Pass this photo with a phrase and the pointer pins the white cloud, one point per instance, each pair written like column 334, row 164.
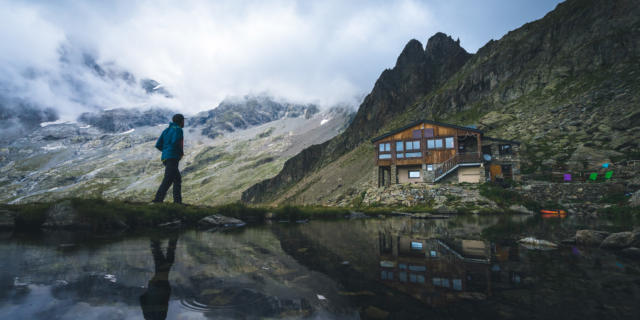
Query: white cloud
column 203, row 51
column 324, row 52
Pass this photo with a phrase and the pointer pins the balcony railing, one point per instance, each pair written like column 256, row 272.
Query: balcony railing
column 460, row 158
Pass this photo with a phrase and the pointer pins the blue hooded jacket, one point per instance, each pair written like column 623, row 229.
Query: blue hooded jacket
column 171, row 142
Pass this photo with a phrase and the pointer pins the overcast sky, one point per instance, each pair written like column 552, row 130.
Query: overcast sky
column 325, row 52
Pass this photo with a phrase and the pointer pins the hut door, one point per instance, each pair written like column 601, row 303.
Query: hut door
column 507, row 172
column 495, row 171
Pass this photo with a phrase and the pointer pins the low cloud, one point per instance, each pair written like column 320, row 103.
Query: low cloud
column 323, row 52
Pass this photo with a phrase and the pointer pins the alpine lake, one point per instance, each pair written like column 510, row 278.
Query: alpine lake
column 464, row 267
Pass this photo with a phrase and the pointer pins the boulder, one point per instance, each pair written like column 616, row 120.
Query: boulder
column 621, row 240
column 63, row 215
column 520, row 208
column 590, row 237
column 219, row 221
column 7, row 220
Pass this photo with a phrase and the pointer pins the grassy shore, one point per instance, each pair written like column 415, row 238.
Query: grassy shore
column 100, row 214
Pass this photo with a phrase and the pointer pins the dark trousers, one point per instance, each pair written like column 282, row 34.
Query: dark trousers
column 171, row 176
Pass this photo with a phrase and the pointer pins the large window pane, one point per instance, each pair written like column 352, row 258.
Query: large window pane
column 431, row 144
column 414, row 174
column 384, row 156
column 413, row 154
column 449, row 143
column 438, row 143
column 387, row 147
column 382, row 147
column 400, row 155
column 399, row 146
column 416, row 145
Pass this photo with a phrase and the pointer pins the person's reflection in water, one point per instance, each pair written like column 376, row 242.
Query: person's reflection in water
column 155, row 301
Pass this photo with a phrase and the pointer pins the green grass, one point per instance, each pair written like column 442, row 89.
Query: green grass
column 505, row 197
column 101, row 214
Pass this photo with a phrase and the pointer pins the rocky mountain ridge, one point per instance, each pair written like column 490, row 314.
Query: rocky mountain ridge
column 566, row 85
column 114, row 157
column 121, row 119
column 236, row 114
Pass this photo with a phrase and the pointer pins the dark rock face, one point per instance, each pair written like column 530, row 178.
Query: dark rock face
column 417, row 72
column 232, row 115
column 119, row 120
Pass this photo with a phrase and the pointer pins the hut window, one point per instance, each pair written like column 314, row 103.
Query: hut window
column 385, row 147
column 428, row 132
column 414, row 174
column 413, row 154
column 438, row 143
column 413, row 145
column 399, row 146
column 400, row 155
column 429, row 167
column 505, row 149
column 431, row 144
column 449, row 142
column 384, row 156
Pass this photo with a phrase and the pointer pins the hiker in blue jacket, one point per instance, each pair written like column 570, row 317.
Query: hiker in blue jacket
column 171, row 143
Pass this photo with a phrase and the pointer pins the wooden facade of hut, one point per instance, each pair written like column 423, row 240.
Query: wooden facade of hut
column 430, row 151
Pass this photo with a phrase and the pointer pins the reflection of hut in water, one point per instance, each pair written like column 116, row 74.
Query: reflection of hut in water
column 435, row 271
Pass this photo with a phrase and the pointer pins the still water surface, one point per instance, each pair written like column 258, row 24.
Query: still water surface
column 398, row 268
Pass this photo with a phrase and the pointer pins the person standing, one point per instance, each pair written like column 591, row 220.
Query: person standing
column 171, row 143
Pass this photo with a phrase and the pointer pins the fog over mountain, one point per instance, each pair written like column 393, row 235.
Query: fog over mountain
column 59, row 59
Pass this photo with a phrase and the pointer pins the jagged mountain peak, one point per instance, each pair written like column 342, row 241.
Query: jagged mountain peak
column 442, row 45
column 412, row 53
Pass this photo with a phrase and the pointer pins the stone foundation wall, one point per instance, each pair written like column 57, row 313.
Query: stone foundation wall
column 437, row 196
